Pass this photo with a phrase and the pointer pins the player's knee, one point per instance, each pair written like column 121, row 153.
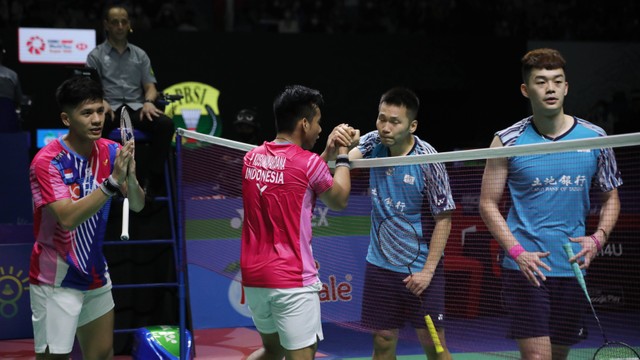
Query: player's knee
column 536, row 355
column 384, row 340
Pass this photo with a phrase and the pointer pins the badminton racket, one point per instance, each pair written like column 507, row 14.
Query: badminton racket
column 400, row 245
column 126, row 134
column 609, row 349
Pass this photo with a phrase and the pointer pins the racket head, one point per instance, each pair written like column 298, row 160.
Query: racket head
column 398, row 241
column 126, row 128
column 616, row 350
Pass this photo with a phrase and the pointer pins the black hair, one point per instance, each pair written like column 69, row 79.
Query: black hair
column 294, row 103
column 77, row 90
column 401, row 96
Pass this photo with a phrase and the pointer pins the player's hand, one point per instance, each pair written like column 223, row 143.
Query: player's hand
column 530, row 263
column 124, row 157
column 587, row 254
column 131, row 168
column 418, row 282
column 341, row 136
column 149, row 111
column 346, row 136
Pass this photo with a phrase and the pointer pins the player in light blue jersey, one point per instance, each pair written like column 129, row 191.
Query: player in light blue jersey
column 422, row 195
column 550, row 204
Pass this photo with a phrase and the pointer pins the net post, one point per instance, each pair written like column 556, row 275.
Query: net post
column 181, row 250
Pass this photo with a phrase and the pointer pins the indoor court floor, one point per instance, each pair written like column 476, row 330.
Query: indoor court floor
column 480, row 338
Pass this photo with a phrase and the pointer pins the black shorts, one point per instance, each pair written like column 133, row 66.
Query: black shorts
column 388, row 304
column 555, row 309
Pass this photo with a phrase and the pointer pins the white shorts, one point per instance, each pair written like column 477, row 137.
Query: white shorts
column 58, row 312
column 293, row 313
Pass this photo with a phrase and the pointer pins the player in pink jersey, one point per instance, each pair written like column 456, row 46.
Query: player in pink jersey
column 281, row 181
column 72, row 181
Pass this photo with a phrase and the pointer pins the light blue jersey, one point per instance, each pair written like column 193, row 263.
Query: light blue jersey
column 416, row 192
column 550, row 192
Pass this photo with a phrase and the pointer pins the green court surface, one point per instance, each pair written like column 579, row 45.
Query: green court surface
column 575, row 354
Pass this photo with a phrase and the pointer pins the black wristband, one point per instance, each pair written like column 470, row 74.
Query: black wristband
column 111, row 185
column 340, row 160
column 149, row 101
column 105, row 191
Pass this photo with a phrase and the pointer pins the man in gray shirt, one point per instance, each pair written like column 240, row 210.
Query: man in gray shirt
column 128, row 80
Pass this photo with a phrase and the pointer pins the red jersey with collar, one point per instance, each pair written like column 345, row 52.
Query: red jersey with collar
column 69, row 258
column 280, row 186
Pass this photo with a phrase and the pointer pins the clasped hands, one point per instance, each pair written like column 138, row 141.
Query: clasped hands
column 342, row 139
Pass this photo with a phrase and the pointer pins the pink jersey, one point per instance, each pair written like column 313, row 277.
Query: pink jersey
column 61, row 257
column 280, row 184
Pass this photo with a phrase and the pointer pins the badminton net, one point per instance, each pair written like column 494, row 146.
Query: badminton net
column 211, row 212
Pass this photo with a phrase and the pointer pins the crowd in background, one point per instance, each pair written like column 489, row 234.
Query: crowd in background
column 532, row 19
column 570, row 20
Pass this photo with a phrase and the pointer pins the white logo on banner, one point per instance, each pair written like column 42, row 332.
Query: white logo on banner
column 55, row 46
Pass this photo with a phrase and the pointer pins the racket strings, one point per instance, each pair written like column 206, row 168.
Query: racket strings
column 616, row 350
column 126, row 127
column 398, row 245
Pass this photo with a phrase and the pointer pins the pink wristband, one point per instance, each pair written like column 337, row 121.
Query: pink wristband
column 595, row 240
column 515, row 251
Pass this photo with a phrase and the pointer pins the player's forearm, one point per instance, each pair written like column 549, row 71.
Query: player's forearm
column 497, row 225
column 71, row 214
column 438, row 242
column 135, row 194
column 608, row 216
column 341, row 188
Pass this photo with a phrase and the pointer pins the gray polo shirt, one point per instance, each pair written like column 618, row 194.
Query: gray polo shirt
column 123, row 75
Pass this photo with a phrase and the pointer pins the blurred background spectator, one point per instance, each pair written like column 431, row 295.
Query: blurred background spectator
column 535, row 20
column 10, row 96
column 247, row 127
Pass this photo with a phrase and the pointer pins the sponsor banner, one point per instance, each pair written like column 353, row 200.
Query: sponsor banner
column 212, row 229
column 209, row 295
column 204, row 208
column 55, row 46
column 15, row 310
column 216, row 292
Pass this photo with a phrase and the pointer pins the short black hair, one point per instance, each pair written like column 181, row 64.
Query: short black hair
column 77, row 90
column 294, row 103
column 401, row 96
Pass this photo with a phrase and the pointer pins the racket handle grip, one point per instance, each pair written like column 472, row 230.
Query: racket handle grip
column 125, row 220
column 434, row 334
column 576, row 268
